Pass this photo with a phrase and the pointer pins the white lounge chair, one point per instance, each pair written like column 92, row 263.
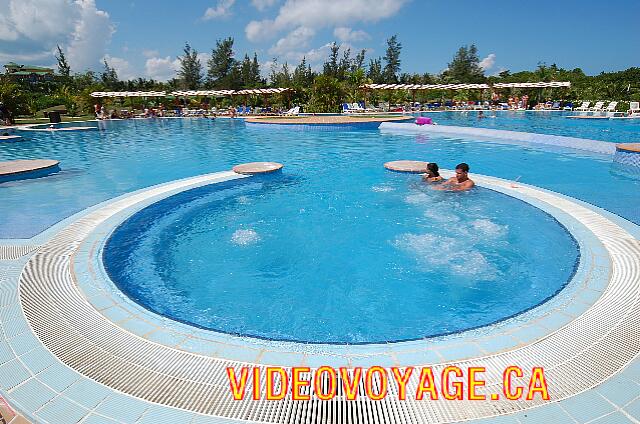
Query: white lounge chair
column 583, row 106
column 293, row 111
column 612, row 107
column 598, row 107
column 634, row 109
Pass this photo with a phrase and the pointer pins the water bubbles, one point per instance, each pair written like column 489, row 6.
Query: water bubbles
column 243, row 200
column 383, row 188
column 245, row 237
column 488, row 228
column 450, row 254
column 418, row 199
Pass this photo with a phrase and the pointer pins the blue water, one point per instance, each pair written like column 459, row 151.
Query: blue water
column 129, row 155
column 546, row 122
column 364, row 256
column 333, row 209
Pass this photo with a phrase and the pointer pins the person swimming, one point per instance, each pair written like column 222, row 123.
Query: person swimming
column 433, row 174
column 460, row 182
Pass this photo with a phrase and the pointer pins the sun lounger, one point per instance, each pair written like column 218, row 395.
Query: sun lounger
column 597, row 107
column 293, row 111
column 634, row 108
column 584, row 106
column 612, row 107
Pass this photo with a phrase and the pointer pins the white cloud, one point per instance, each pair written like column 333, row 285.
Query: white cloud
column 150, row 53
column 27, row 57
column 499, row 71
column 165, row 68
column 263, row 4
column 295, row 40
column 161, row 68
column 38, row 19
column 122, row 67
column 222, row 9
column 90, row 38
column 30, row 30
column 256, row 31
column 347, row 34
column 488, row 62
column 204, row 58
column 321, row 13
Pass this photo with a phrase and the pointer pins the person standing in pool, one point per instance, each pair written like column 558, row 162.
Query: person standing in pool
column 460, row 182
column 433, row 174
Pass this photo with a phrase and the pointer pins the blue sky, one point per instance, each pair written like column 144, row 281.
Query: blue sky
column 144, row 38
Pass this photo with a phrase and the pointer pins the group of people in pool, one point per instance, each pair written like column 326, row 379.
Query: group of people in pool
column 459, row 182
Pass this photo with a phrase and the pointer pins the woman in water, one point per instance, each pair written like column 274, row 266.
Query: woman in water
column 432, row 175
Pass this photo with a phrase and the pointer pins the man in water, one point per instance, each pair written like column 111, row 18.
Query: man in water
column 460, row 182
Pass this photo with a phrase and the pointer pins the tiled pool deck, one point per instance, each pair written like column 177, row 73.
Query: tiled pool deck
column 73, row 348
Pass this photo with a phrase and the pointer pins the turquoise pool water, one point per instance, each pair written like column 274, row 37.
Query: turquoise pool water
column 128, row 155
column 334, row 220
column 546, row 122
column 356, row 257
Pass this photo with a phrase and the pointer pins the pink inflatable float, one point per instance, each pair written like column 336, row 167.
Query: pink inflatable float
column 423, row 120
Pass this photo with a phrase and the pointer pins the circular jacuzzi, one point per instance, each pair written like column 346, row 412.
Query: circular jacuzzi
column 286, row 258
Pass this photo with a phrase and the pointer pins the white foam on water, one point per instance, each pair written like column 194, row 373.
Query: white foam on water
column 382, row 188
column 245, row 237
column 418, row 199
column 440, row 215
column 244, row 200
column 488, row 228
column 452, row 254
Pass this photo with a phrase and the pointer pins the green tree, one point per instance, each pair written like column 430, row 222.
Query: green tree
column 327, row 94
column 274, row 72
column 344, row 65
column 63, row 66
column 256, row 77
column 190, row 68
column 303, row 75
column 13, row 96
column 221, row 65
column 375, row 71
column 109, row 76
column 330, row 66
column 354, row 80
column 392, row 60
column 465, row 66
column 358, row 61
column 245, row 72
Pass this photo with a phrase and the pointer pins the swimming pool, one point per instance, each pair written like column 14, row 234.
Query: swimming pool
column 334, row 225
column 129, row 155
column 365, row 256
column 67, row 322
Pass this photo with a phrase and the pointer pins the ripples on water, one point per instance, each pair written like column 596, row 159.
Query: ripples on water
column 318, row 259
column 334, row 230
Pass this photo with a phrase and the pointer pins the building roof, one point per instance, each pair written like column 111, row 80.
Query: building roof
column 16, row 69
